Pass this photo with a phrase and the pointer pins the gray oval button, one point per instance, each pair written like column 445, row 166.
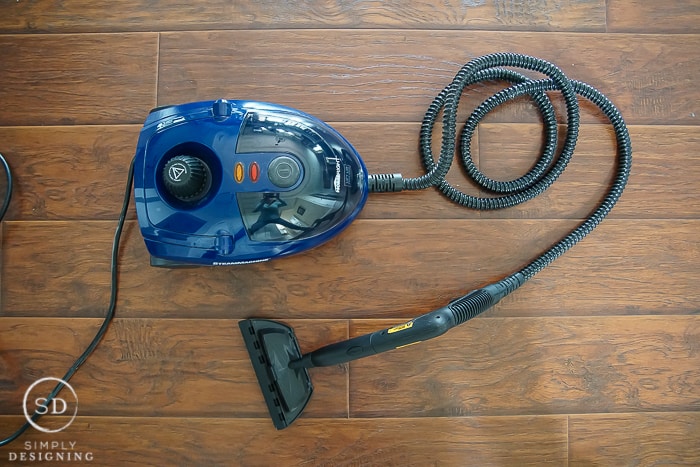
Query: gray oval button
column 284, row 171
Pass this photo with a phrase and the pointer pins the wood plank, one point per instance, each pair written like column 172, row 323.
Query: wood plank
column 347, row 75
column 534, row 366
column 484, row 441
column 50, row 164
column 615, row 271
column 656, row 439
column 91, row 16
column 73, row 79
column 663, row 182
column 168, row 367
column 69, row 172
column 609, row 273
column 676, row 16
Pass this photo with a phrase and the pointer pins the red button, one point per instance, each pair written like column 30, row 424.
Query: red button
column 254, row 171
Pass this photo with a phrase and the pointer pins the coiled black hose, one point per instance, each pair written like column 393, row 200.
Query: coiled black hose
column 546, row 170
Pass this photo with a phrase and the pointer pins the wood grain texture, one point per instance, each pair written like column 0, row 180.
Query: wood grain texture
column 366, row 272
column 634, row 439
column 535, row 365
column 79, row 172
column 498, row 366
column 69, row 79
column 487, row 441
column 677, row 16
column 69, row 172
column 91, row 16
column 662, row 184
column 164, row 367
column 347, row 75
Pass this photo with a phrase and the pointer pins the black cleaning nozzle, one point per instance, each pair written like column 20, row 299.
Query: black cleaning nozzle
column 282, row 369
column 272, row 346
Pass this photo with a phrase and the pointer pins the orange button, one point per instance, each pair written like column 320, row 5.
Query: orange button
column 238, row 172
column 254, row 171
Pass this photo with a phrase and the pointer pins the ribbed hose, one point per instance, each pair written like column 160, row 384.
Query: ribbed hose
column 546, row 170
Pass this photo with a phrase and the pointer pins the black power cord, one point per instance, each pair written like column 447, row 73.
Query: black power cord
column 108, row 317
column 8, row 187
column 541, row 176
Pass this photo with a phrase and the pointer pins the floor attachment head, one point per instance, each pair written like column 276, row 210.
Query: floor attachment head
column 272, row 345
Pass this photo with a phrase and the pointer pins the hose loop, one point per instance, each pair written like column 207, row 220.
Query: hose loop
column 548, row 167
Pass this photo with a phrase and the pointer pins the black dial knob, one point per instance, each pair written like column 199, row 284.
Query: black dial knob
column 187, row 178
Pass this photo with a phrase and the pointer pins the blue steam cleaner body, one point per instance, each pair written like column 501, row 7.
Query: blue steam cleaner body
column 231, row 182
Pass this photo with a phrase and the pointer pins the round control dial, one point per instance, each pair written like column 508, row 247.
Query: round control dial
column 187, row 178
column 284, row 171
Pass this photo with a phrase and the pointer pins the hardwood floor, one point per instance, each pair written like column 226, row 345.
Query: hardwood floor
column 595, row 361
